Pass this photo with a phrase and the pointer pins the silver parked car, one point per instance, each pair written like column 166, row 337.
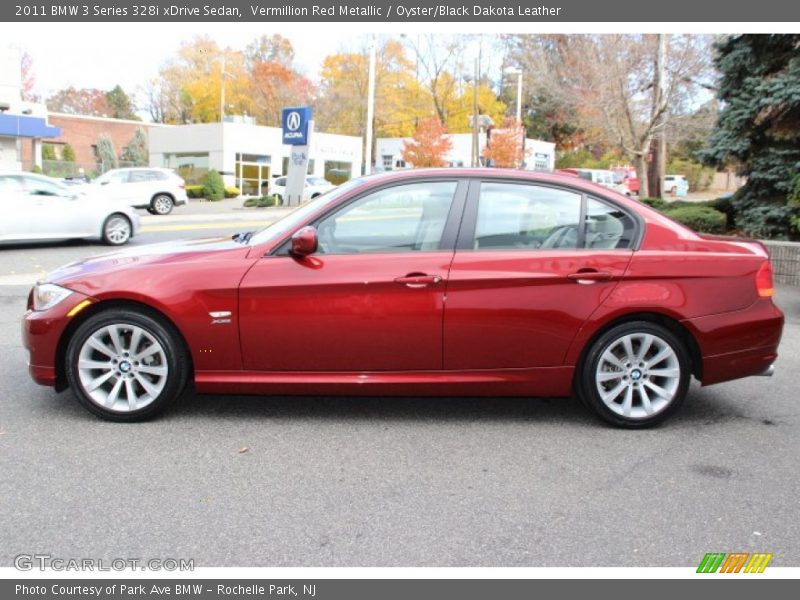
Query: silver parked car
column 315, row 186
column 40, row 208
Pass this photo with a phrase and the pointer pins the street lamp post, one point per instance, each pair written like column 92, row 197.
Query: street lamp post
column 518, row 72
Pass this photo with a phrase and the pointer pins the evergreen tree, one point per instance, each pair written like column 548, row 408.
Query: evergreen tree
column 213, row 186
column 48, row 152
column 120, row 104
column 106, row 153
column 136, row 150
column 68, row 153
column 758, row 130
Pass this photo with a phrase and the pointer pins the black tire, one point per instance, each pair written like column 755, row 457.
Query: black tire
column 117, row 230
column 151, row 211
column 636, row 376
column 162, row 204
column 172, row 355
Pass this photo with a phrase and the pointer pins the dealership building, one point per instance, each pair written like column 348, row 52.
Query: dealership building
column 248, row 155
column 539, row 155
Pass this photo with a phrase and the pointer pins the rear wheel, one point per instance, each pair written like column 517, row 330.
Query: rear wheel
column 117, row 230
column 635, row 375
column 125, row 365
column 162, row 204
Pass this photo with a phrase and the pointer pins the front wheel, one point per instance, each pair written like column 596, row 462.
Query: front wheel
column 117, row 230
column 635, row 375
column 125, row 365
column 162, row 204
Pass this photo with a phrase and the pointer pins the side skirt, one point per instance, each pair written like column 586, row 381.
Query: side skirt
column 549, row 381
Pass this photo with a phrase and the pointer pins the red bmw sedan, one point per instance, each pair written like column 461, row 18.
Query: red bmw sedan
column 426, row 282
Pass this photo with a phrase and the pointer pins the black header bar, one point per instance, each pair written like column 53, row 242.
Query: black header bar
column 402, row 11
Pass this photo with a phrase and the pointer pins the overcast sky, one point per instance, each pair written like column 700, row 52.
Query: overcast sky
column 103, row 55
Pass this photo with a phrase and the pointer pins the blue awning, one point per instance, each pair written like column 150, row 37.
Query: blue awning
column 27, row 127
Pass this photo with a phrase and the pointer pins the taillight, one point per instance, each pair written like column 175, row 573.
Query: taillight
column 764, row 280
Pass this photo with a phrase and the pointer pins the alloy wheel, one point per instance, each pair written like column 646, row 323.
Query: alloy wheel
column 122, row 367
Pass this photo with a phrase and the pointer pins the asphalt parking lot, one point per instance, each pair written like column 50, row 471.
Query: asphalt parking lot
column 256, row 481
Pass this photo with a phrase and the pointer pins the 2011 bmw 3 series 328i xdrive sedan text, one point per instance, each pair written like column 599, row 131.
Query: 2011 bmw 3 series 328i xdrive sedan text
column 425, row 282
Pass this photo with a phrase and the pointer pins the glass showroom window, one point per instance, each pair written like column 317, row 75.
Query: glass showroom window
column 192, row 166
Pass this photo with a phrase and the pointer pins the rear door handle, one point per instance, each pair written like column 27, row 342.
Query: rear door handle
column 588, row 277
column 418, row 280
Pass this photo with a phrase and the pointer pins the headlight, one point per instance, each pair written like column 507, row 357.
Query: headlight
column 47, row 295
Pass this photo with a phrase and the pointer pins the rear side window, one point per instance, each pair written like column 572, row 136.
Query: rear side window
column 607, row 226
column 139, row 176
column 514, row 216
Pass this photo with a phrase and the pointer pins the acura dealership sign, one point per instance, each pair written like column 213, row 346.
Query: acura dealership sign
column 295, row 125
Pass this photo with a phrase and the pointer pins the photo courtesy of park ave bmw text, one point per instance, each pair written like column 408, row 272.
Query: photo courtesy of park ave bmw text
column 388, row 299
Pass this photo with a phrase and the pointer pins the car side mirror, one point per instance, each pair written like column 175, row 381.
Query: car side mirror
column 304, row 241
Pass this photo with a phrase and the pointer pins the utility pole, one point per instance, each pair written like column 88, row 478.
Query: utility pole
column 660, row 146
column 476, row 150
column 370, row 109
column 222, row 75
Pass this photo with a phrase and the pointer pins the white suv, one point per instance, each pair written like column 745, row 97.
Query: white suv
column 157, row 190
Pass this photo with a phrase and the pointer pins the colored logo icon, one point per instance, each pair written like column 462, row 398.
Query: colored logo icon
column 736, row 562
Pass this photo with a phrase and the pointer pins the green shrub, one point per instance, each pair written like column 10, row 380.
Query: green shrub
column 213, row 186
column 67, row 153
column 700, row 218
column 232, row 192
column 656, row 203
column 49, row 152
column 36, row 169
column 194, row 191
column 263, row 202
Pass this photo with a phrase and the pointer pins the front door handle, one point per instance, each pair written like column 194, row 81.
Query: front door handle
column 590, row 276
column 418, row 280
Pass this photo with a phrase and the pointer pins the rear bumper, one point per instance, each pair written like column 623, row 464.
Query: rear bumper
column 738, row 344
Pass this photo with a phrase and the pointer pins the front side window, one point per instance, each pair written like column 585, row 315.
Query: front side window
column 10, row 185
column 515, row 216
column 403, row 218
column 42, row 187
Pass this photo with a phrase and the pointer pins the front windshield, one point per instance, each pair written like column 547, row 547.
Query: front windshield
column 291, row 221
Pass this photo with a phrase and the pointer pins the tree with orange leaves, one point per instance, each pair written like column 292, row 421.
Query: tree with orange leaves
column 505, row 147
column 429, row 145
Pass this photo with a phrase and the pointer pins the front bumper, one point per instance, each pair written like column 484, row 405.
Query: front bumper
column 41, row 334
